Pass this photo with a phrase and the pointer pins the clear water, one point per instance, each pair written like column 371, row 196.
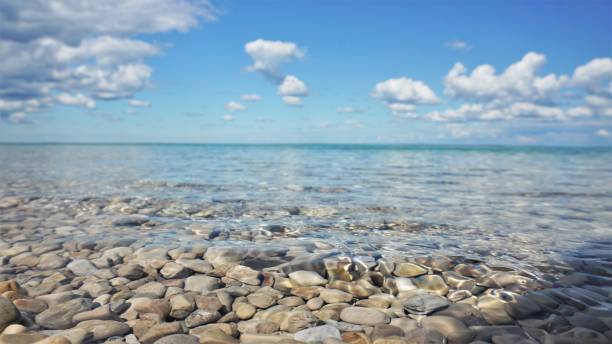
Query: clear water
column 519, row 202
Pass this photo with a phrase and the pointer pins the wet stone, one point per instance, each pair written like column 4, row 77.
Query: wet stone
column 424, row 304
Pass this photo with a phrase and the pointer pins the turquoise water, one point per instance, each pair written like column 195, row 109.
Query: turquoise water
column 542, row 199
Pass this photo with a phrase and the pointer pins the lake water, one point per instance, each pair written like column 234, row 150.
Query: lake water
column 515, row 205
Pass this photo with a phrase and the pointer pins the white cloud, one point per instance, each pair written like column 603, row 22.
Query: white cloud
column 602, row 133
column 400, row 95
column 292, row 90
column 251, row 97
column 404, row 90
column 228, row 118
column 139, row 103
column 597, row 70
column 234, row 106
column 293, row 101
column 402, row 110
column 292, row 86
column 519, row 92
column 76, row 52
column 76, row 99
column 268, row 56
column 346, row 109
column 518, row 82
column 458, row 45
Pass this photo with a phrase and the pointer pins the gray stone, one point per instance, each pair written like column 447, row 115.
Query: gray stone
column 8, row 313
column 364, row 316
column 317, row 334
column 82, row 267
column 424, row 304
column 59, row 317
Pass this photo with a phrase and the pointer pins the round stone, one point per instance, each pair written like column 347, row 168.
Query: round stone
column 364, row 316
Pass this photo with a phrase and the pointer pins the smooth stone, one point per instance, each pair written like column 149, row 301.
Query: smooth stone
column 160, row 307
column 248, row 338
column 291, row 301
column 82, row 267
column 493, row 310
column 315, row 303
column 216, row 336
column 318, row 333
column 406, row 324
column 364, row 316
column 131, row 220
column 385, row 330
column 21, row 338
column 181, row 306
column 201, row 317
column 305, row 278
column 245, row 310
column 131, row 271
column 160, row 330
column 14, row 329
column 178, row 339
column 355, row 338
column 173, row 270
column 201, row 284
column 196, row 265
column 59, row 317
column 424, row 304
column 8, row 313
column 454, row 330
column 295, row 321
column 432, row 284
column 152, row 289
column 244, row 274
column 102, row 329
column 100, row 313
column 335, row 296
column 409, row 270
column 423, row 336
column 360, row 289
column 261, row 299
column 257, row 326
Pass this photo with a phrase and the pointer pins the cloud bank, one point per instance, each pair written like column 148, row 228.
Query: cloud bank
column 80, row 52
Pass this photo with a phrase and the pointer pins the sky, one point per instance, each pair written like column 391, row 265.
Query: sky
column 183, row 71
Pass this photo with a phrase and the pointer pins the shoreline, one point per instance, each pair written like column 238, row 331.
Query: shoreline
column 84, row 282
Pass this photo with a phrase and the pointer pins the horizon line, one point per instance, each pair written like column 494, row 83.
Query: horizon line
column 148, row 143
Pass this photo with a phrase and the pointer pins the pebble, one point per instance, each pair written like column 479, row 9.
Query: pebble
column 8, row 313
column 305, row 278
column 364, row 316
column 424, row 304
column 317, row 334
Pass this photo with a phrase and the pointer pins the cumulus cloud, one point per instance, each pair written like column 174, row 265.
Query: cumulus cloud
column 228, row 118
column 602, row 133
column 78, row 52
column 268, row 56
column 251, row 97
column 234, row 106
column 519, row 92
column 458, row 45
column 400, row 95
column 518, row 81
column 292, row 90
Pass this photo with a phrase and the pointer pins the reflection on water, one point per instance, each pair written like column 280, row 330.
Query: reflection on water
column 535, row 199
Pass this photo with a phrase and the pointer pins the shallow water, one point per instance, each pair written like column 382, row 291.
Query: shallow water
column 519, row 206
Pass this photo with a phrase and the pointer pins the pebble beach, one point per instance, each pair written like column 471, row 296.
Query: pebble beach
column 95, row 250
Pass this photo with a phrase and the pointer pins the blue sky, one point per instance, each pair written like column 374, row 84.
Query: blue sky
column 329, row 71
